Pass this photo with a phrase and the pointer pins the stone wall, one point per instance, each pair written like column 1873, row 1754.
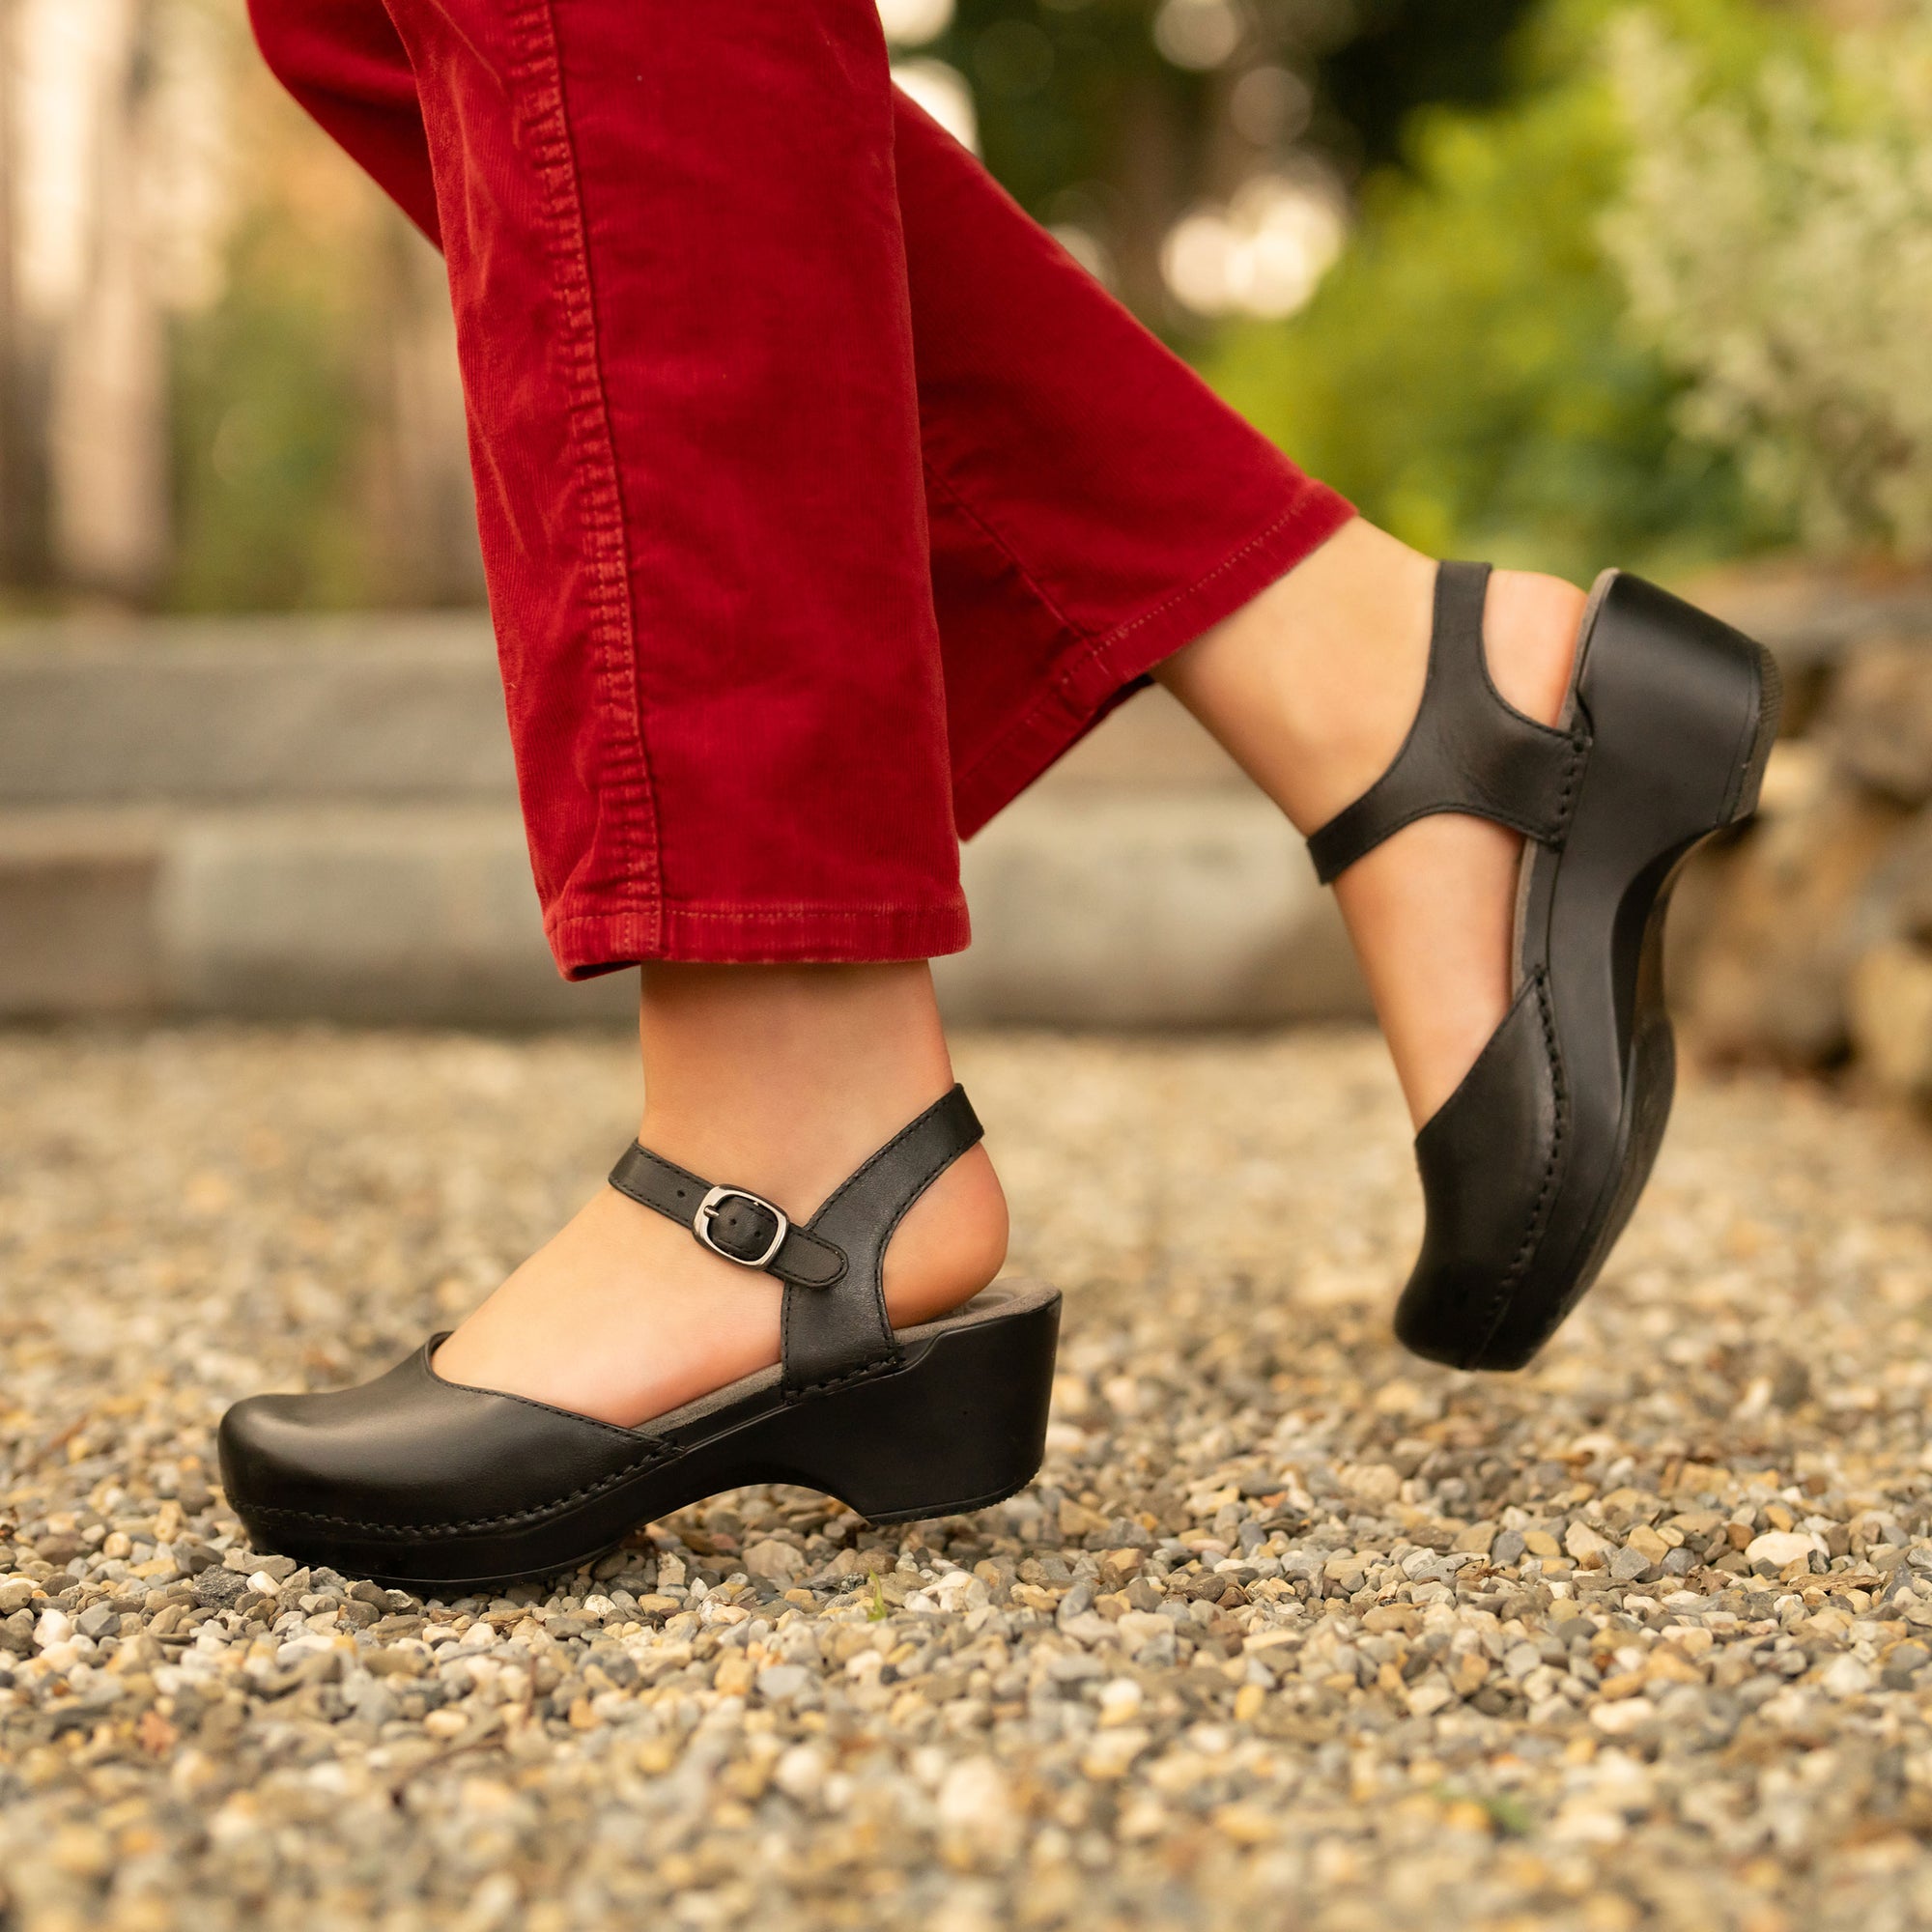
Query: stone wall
column 1807, row 939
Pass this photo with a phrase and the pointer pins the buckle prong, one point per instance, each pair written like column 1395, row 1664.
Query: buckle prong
column 707, row 1213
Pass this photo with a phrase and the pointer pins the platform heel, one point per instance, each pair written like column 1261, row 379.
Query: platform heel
column 416, row 1480
column 1532, row 1167
column 961, row 1424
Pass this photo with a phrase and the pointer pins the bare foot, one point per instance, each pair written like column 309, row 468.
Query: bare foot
column 1313, row 687
column 775, row 1078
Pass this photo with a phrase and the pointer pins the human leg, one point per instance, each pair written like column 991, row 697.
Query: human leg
column 779, row 1078
column 1313, row 687
column 675, row 263
column 1097, row 516
column 1531, row 834
column 680, row 293
column 1509, row 915
column 1090, row 506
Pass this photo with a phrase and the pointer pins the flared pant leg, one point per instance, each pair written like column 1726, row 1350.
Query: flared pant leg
column 824, row 499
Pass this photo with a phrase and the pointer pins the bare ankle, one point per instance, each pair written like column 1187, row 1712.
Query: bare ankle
column 1312, row 685
column 1529, row 638
column 785, row 1078
column 777, row 1079
column 803, row 1069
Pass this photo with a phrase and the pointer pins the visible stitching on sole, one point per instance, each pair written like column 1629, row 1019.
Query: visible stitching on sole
column 864, row 1371
column 656, row 1454
column 1581, row 744
column 1533, row 1233
column 509, row 1520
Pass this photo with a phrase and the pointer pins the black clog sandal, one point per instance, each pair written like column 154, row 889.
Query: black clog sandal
column 1531, row 1168
column 434, row 1486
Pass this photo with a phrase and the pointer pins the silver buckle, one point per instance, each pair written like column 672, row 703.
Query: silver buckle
column 707, row 1209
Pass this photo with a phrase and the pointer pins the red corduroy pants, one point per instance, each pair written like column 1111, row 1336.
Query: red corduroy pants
column 825, row 500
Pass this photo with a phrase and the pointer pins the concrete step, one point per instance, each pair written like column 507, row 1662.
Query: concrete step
column 387, row 706
column 1106, row 908
column 1088, row 910
column 79, row 895
column 317, row 818
column 361, row 710
column 248, row 711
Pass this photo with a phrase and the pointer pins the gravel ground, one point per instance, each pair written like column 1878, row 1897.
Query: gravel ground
column 1291, row 1631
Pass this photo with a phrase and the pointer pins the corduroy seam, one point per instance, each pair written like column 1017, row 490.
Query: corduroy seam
column 1071, row 678
column 1068, row 674
column 1001, row 543
column 537, row 81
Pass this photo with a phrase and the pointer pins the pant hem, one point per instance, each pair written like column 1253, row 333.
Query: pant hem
column 1097, row 672
column 587, row 944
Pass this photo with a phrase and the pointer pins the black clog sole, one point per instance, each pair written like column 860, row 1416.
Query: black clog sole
column 960, row 1423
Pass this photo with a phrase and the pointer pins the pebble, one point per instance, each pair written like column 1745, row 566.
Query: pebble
column 1777, row 1547
column 1635, row 1639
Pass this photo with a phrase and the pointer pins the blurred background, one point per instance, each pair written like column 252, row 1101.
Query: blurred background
column 1559, row 282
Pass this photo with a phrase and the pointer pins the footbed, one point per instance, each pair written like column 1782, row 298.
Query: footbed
column 990, row 1304
column 1566, row 721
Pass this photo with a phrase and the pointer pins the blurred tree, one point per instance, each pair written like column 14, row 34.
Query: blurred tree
column 83, row 495
column 270, row 406
column 1466, row 374
column 1409, row 54
column 23, row 545
column 320, row 457
column 106, row 421
column 316, row 436
column 226, row 371
column 1107, row 119
column 319, row 447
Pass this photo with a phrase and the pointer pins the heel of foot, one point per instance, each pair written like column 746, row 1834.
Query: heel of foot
column 1530, row 626
column 950, row 1245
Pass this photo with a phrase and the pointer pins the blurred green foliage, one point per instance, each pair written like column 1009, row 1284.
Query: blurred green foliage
column 269, row 416
column 285, row 488
column 1406, row 54
column 1776, row 236
column 1060, row 85
column 1085, row 123
column 1466, row 374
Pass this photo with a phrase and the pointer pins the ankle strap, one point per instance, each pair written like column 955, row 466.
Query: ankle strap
column 1468, row 751
column 735, row 1222
column 835, row 1323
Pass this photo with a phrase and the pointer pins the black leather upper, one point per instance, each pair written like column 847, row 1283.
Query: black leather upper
column 412, row 1457
column 1468, row 750
column 847, row 1331
column 1531, row 1168
column 1489, row 1158
column 413, row 1453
